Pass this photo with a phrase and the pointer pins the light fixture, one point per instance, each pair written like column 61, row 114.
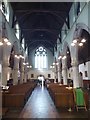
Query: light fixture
column 64, row 57
column 30, row 66
column 75, row 41
column 1, row 43
column 72, row 44
column 59, row 57
column 5, row 40
column 24, row 63
column 80, row 44
column 21, row 56
column 8, row 43
column 57, row 63
column 53, row 63
column 83, row 40
column 67, row 52
column 16, row 56
column 51, row 66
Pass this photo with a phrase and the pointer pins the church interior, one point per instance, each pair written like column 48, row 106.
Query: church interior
column 44, row 59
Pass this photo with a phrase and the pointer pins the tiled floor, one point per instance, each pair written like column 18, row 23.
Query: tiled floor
column 40, row 105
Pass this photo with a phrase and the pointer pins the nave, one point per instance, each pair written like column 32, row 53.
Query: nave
column 48, row 40
column 40, row 105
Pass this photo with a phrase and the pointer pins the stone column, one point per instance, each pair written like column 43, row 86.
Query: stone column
column 75, row 73
column 22, row 71
column 5, row 56
column 64, row 71
column 55, row 72
column 4, row 73
column 75, row 67
column 15, row 71
column 59, row 72
column 25, row 73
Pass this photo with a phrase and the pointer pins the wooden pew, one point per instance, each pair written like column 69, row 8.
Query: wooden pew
column 64, row 97
column 55, row 88
column 64, row 100
column 14, row 100
column 3, row 111
column 61, row 96
column 17, row 95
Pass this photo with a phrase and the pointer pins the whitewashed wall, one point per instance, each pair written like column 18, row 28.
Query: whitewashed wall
column 42, row 72
column 83, row 68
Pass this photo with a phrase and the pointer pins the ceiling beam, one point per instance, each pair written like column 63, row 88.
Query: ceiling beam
column 52, row 31
column 42, row 10
column 43, row 40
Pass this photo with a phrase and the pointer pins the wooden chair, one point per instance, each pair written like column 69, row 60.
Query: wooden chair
column 79, row 105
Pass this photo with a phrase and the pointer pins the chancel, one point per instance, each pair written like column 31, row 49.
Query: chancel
column 44, row 59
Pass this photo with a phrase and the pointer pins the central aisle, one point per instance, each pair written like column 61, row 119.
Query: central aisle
column 39, row 105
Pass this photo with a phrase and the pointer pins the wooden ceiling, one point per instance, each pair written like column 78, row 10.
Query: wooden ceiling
column 41, row 22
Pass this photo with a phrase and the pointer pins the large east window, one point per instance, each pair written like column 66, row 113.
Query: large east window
column 40, row 58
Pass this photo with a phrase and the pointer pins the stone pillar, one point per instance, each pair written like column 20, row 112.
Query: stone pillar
column 55, row 72
column 64, row 71
column 25, row 73
column 4, row 73
column 59, row 72
column 15, row 71
column 22, row 71
column 75, row 67
column 5, row 56
column 75, row 74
